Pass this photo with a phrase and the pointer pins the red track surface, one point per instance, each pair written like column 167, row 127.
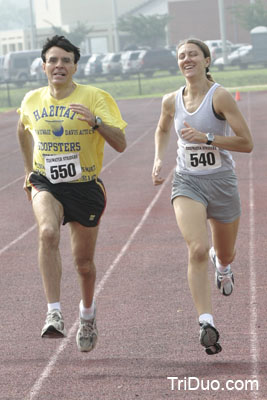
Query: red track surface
column 148, row 328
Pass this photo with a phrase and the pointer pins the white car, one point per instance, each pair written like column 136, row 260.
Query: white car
column 111, row 64
column 93, row 66
column 36, row 69
column 130, row 62
column 241, row 57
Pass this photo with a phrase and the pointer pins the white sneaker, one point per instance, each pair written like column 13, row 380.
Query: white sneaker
column 86, row 337
column 223, row 281
column 54, row 325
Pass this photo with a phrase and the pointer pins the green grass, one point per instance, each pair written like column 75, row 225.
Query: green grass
column 157, row 86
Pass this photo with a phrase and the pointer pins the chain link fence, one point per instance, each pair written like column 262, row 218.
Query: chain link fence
column 12, row 93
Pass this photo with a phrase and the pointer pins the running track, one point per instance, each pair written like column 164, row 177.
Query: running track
column 148, row 327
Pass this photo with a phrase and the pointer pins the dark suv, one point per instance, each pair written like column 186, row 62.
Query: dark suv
column 151, row 61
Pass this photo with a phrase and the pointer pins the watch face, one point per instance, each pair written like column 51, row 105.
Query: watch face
column 98, row 120
column 210, row 136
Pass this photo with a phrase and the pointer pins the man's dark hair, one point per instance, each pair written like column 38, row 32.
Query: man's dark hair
column 63, row 43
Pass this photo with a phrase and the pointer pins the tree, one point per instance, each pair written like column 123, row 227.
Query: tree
column 13, row 17
column 252, row 15
column 76, row 35
column 144, row 30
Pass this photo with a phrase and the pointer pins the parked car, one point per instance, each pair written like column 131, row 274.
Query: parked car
column 93, row 66
column 217, row 43
column 111, row 64
column 241, row 57
column 81, row 65
column 2, row 68
column 17, row 65
column 150, row 61
column 36, row 69
column 218, row 51
column 129, row 62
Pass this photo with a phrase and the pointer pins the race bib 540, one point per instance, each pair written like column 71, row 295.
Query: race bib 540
column 202, row 157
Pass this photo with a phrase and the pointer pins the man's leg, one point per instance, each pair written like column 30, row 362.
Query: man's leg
column 83, row 241
column 49, row 213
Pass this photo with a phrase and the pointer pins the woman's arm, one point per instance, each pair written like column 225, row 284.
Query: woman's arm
column 162, row 135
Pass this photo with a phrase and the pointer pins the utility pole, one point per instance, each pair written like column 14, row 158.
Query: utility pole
column 115, row 16
column 33, row 31
column 222, row 29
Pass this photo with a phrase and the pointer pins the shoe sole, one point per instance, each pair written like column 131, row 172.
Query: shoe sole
column 209, row 337
column 52, row 333
column 215, row 349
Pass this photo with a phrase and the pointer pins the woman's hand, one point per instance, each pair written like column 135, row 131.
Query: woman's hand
column 192, row 135
column 156, row 178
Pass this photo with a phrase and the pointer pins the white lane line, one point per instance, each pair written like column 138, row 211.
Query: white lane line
column 49, row 367
column 25, row 233
column 254, row 343
column 12, row 183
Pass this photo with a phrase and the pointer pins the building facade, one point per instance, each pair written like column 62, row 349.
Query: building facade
column 198, row 18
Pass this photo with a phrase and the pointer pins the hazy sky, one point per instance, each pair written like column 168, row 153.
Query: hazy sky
column 21, row 3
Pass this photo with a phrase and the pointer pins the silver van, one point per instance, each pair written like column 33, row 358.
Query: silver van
column 17, row 65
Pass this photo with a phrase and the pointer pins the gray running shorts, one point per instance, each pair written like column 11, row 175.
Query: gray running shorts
column 217, row 192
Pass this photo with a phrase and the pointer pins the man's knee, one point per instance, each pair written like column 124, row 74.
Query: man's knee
column 49, row 235
column 84, row 265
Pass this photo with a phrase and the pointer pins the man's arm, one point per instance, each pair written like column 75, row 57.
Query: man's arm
column 113, row 136
column 26, row 146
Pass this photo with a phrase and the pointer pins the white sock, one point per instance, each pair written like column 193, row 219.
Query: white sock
column 206, row 318
column 53, row 306
column 222, row 268
column 87, row 313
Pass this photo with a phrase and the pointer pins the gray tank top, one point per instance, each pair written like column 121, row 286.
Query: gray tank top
column 199, row 158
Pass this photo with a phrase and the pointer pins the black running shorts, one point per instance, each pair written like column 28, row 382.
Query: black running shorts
column 83, row 202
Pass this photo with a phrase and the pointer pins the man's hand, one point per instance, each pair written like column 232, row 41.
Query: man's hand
column 26, row 188
column 85, row 113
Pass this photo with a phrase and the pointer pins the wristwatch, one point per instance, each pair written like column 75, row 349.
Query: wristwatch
column 210, row 138
column 98, row 122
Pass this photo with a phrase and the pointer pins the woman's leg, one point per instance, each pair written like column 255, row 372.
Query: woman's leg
column 223, row 252
column 191, row 218
column 224, row 238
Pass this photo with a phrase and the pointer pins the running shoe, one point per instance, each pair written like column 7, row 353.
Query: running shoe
column 208, row 337
column 86, row 337
column 54, row 325
column 223, row 281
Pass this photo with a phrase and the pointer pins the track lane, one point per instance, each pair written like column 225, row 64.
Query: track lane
column 146, row 318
